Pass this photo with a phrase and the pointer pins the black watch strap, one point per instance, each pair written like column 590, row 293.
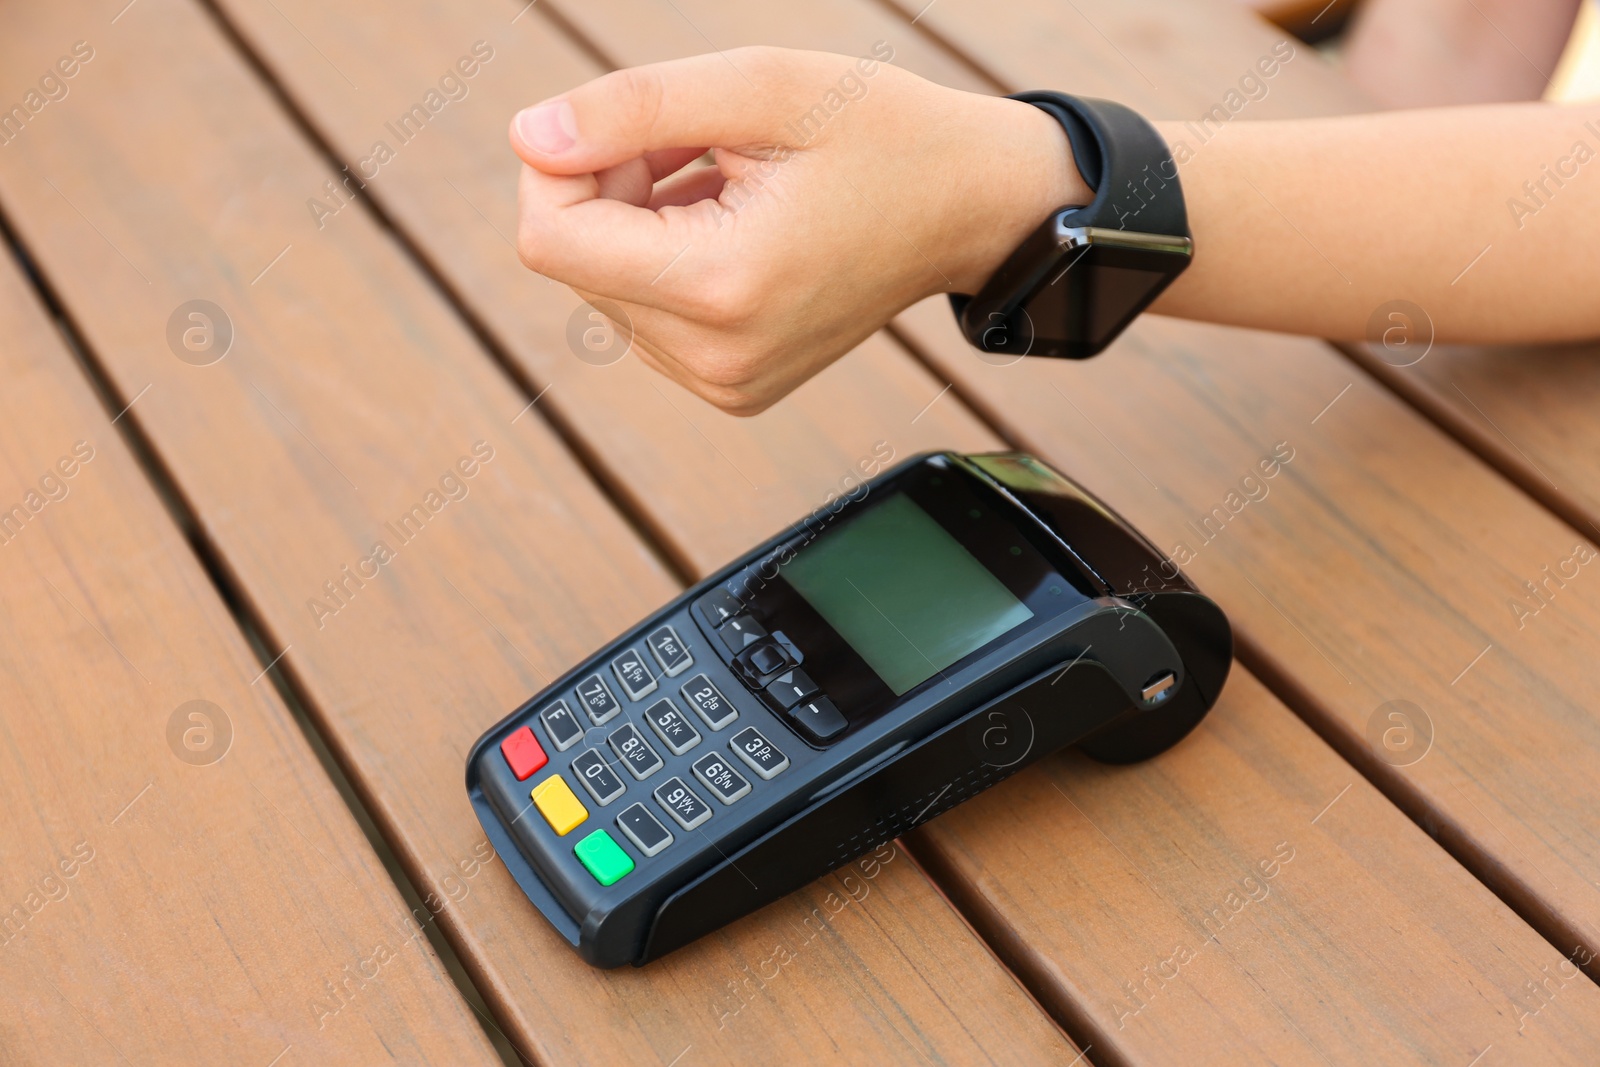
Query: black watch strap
column 1129, row 167
column 1123, row 159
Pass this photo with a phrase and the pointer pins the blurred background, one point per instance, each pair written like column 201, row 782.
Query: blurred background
column 1417, row 53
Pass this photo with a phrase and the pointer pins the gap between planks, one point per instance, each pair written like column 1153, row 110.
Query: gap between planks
column 612, row 488
column 1553, row 927
column 1251, row 654
column 256, row 635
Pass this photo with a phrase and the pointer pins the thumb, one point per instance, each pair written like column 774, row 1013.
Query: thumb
column 724, row 100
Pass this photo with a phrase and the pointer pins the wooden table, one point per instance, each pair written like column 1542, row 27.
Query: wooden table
column 234, row 822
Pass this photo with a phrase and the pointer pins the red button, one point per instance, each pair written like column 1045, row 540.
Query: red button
column 523, row 753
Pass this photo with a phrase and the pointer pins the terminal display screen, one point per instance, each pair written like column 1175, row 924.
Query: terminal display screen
column 903, row 593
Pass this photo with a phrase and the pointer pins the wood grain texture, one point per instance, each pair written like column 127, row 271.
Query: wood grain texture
column 1247, row 899
column 1167, row 58
column 454, row 185
column 1528, row 411
column 350, row 393
column 229, row 907
column 1393, row 568
column 988, row 876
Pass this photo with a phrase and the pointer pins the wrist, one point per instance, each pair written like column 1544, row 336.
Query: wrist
column 1029, row 174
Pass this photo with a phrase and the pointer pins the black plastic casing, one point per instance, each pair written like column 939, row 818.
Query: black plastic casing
column 1089, row 269
column 1054, row 297
column 1074, row 679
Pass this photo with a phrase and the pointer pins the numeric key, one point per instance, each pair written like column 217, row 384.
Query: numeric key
column 597, row 700
column 670, row 725
column 669, row 651
column 725, row 783
column 597, row 777
column 707, row 700
column 759, row 754
column 682, row 803
column 636, row 675
column 638, row 681
column 634, row 751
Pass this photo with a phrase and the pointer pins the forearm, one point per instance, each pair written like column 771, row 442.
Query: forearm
column 1486, row 217
column 743, row 280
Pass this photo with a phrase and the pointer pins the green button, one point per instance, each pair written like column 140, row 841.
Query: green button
column 603, row 857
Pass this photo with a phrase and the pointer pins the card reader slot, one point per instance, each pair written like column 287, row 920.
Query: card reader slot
column 1201, row 634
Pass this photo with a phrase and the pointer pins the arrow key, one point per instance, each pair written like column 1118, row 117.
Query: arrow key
column 787, row 690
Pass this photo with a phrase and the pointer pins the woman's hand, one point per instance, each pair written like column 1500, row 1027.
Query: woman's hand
column 844, row 190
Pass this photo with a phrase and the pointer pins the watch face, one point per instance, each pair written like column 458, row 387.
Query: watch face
column 1101, row 281
column 1098, row 280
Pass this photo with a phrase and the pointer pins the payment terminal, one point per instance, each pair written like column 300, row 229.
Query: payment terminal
column 938, row 629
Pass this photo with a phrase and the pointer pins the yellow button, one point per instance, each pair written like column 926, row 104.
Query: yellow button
column 560, row 808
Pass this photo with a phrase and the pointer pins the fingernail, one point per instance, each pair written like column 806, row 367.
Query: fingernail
column 548, row 128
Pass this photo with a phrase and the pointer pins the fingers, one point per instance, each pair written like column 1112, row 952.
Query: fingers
column 633, row 180
column 723, row 99
column 745, row 278
column 567, row 231
column 669, row 161
column 690, row 187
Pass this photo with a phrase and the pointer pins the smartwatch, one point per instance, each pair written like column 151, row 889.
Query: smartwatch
column 1089, row 269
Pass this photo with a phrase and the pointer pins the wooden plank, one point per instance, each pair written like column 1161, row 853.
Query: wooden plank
column 783, row 465
column 351, row 391
column 1487, row 936
column 1525, row 410
column 1528, row 412
column 1167, row 58
column 1247, row 899
column 168, row 882
column 1382, row 570
column 452, row 191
